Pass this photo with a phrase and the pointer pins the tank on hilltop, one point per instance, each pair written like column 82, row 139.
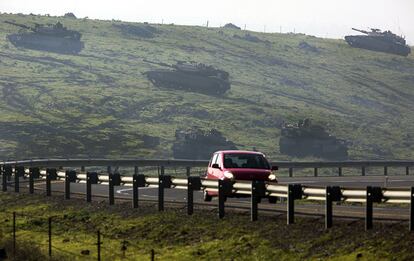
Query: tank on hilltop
column 308, row 139
column 194, row 143
column 376, row 40
column 190, row 76
column 52, row 38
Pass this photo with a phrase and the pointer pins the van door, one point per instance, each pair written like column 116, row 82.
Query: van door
column 210, row 170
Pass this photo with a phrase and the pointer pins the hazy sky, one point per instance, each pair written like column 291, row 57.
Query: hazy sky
column 326, row 18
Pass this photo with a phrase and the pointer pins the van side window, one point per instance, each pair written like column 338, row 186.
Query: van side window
column 217, row 159
column 213, row 159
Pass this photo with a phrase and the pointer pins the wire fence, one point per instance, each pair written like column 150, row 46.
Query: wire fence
column 19, row 226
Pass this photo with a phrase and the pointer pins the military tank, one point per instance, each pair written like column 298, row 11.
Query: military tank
column 52, row 38
column 190, row 76
column 194, row 143
column 379, row 41
column 307, row 139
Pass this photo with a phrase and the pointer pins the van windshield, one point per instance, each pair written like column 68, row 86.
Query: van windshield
column 245, row 161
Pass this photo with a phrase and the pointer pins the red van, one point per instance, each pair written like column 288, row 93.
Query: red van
column 238, row 165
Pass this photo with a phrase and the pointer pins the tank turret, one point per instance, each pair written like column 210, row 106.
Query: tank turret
column 377, row 40
column 308, row 139
column 51, row 37
column 190, row 76
column 194, row 143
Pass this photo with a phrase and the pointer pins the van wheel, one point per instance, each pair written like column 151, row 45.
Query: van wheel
column 206, row 196
column 272, row 200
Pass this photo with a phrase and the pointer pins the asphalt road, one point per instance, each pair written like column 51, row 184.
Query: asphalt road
column 384, row 211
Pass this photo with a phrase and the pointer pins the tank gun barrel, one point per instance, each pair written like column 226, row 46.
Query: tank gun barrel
column 158, row 63
column 19, row 25
column 359, row 30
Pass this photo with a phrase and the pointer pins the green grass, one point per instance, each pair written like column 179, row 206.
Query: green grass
column 98, row 103
column 175, row 236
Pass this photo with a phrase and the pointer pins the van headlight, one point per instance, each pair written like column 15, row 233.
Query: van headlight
column 228, row 175
column 272, row 177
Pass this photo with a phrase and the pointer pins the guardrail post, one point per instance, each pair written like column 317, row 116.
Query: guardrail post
column 294, row 192
column 70, row 176
column 340, row 171
column 18, row 172
column 2, row 172
column 257, row 192
column 51, row 174
column 412, row 209
column 290, row 172
column 385, row 170
column 91, row 178
column 163, row 182
column 137, row 181
column 7, row 172
column 193, row 183
column 373, row 194
column 315, row 172
column 363, row 171
column 34, row 173
column 332, row 194
column 114, row 180
column 225, row 188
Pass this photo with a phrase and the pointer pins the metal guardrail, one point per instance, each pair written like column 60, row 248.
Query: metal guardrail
column 339, row 165
column 224, row 188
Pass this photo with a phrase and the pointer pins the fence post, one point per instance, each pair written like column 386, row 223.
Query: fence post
column 137, row 181
column 294, row 192
column 290, row 172
column 34, row 173
column 412, row 209
column 50, row 236
column 193, row 183
column 50, row 175
column 407, row 170
column 340, row 171
column 99, row 245
column 257, row 192
column 363, row 171
column 225, row 188
column 163, row 182
column 332, row 194
column 315, row 172
column 385, row 170
column 14, row 234
column 152, row 255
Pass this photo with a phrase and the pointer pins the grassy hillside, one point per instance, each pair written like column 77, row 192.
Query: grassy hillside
column 176, row 236
column 98, row 103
